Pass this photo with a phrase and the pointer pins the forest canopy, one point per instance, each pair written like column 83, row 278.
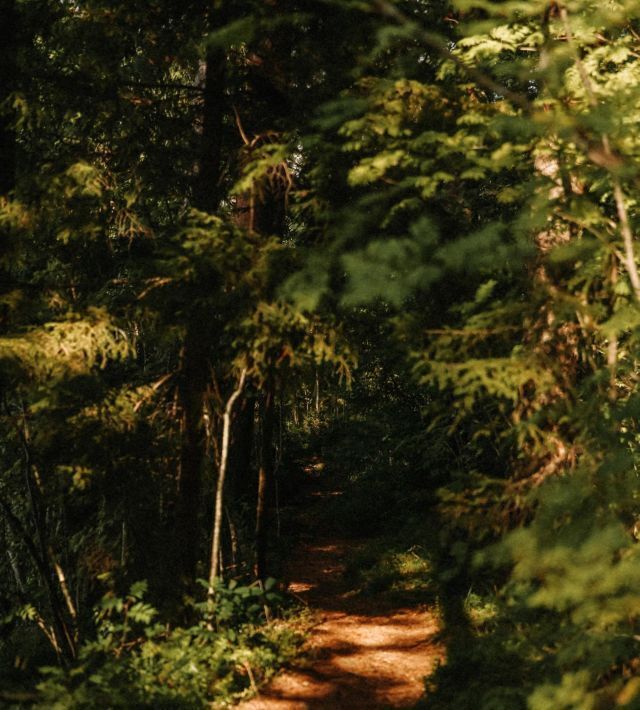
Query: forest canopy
column 398, row 238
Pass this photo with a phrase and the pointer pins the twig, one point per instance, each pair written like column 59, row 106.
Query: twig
column 154, row 283
column 154, row 388
column 252, row 680
column 627, row 236
column 158, row 85
column 63, row 586
column 243, row 135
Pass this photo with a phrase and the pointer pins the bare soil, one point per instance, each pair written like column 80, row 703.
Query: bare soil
column 363, row 651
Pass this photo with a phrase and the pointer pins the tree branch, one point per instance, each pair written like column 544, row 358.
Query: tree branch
column 433, row 40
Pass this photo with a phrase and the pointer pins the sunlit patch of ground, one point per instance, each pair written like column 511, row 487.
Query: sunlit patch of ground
column 363, row 653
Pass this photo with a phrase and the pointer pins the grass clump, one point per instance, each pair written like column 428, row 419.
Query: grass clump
column 401, row 574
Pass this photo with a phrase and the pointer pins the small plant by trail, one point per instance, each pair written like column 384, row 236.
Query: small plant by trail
column 138, row 661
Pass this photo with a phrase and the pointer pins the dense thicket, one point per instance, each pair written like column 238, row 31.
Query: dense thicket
column 232, row 230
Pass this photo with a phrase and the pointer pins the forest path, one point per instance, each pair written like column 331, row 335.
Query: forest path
column 364, row 652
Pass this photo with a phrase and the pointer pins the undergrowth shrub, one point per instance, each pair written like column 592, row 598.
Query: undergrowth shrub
column 137, row 661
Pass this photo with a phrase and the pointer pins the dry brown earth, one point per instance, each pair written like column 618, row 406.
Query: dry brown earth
column 363, row 652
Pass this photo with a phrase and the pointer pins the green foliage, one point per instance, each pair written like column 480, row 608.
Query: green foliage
column 68, row 348
column 277, row 337
column 446, row 196
column 136, row 660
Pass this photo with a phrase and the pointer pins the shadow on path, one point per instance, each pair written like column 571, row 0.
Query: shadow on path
column 363, row 652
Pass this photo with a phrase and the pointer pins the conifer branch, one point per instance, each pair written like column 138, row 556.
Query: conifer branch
column 434, row 41
column 610, row 161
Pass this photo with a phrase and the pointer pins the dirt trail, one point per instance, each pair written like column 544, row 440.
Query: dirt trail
column 364, row 653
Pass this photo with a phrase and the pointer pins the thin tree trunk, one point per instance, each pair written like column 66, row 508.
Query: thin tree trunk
column 8, row 49
column 66, row 638
column 61, row 637
column 13, row 560
column 265, row 476
column 612, row 347
column 219, row 503
column 233, row 539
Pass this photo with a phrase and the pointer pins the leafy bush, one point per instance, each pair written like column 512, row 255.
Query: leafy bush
column 137, row 661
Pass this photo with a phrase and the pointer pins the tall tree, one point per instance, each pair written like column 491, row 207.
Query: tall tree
column 202, row 330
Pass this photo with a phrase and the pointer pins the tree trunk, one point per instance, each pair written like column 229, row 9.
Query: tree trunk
column 208, row 188
column 219, row 502
column 240, row 473
column 198, row 343
column 241, row 446
column 265, row 476
column 8, row 32
column 8, row 72
column 195, row 370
